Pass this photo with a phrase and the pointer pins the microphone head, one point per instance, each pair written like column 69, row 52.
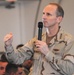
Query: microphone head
column 40, row 25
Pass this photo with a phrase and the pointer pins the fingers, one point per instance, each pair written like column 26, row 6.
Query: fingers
column 37, row 44
column 7, row 37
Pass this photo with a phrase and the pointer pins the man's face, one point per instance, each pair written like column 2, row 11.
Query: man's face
column 2, row 67
column 49, row 17
column 20, row 71
column 27, row 64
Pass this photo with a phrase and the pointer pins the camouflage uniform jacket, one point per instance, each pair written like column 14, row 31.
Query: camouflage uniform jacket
column 53, row 63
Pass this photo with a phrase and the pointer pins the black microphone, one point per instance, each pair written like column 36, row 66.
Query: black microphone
column 40, row 26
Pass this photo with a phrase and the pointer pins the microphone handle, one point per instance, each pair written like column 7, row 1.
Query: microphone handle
column 40, row 34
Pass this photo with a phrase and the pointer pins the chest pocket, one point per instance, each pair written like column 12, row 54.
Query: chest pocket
column 59, row 48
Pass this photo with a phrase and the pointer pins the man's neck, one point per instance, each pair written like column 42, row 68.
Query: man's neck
column 52, row 31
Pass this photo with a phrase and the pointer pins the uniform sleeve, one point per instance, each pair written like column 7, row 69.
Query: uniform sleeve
column 67, row 65
column 20, row 55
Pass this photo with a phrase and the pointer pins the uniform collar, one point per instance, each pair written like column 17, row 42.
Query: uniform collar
column 56, row 38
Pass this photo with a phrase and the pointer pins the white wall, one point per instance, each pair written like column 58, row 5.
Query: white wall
column 22, row 20
column 68, row 21
column 19, row 21
column 9, row 22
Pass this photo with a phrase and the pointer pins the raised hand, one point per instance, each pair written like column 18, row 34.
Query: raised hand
column 8, row 39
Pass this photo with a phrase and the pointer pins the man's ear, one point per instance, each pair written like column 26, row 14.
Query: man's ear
column 59, row 19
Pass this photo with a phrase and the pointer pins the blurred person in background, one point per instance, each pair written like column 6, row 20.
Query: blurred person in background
column 13, row 69
column 3, row 63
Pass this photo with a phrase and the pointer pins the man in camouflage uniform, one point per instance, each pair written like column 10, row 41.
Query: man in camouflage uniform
column 49, row 53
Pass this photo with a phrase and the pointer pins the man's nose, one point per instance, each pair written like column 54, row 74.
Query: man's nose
column 4, row 71
column 44, row 17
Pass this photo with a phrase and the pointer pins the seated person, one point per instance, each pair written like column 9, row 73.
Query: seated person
column 3, row 63
column 13, row 69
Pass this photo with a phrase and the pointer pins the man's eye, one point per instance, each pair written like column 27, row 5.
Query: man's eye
column 48, row 14
column 1, row 68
